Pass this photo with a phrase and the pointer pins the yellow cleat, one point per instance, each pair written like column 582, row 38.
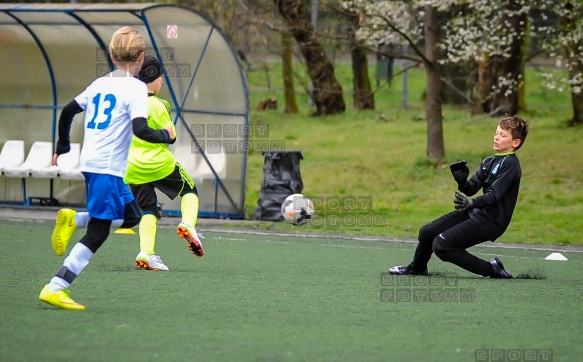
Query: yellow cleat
column 64, row 229
column 59, row 299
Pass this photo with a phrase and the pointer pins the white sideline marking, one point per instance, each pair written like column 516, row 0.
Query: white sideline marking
column 550, row 248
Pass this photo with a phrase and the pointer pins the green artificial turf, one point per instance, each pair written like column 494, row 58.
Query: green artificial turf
column 265, row 297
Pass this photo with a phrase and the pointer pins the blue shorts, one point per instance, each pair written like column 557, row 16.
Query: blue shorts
column 107, row 196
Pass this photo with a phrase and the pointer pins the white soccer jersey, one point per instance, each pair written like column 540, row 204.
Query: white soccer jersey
column 110, row 103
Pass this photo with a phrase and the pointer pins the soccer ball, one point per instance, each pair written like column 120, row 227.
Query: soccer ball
column 297, row 209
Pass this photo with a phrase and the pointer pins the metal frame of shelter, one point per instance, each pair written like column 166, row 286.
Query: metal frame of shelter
column 51, row 52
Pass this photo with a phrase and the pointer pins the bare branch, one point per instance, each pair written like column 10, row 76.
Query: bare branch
column 406, row 37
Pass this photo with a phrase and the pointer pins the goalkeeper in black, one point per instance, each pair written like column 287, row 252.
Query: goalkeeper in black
column 480, row 219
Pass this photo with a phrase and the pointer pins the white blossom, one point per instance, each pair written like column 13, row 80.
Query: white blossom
column 482, row 31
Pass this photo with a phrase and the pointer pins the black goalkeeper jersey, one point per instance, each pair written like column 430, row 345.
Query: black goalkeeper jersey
column 499, row 178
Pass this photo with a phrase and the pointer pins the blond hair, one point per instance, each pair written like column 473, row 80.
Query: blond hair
column 126, row 45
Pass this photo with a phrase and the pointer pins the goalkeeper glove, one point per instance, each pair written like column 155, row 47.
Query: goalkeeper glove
column 460, row 172
column 462, row 203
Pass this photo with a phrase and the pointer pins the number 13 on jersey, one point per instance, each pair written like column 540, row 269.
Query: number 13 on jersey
column 108, row 105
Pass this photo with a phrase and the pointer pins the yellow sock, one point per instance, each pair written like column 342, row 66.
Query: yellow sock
column 189, row 209
column 148, row 233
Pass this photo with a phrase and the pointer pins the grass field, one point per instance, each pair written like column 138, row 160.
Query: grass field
column 265, row 297
column 264, row 293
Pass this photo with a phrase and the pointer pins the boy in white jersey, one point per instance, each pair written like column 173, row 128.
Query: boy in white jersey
column 115, row 108
column 153, row 166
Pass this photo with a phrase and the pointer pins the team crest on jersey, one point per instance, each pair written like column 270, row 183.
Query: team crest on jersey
column 495, row 170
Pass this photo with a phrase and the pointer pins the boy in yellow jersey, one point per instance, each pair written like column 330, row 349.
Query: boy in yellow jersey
column 153, row 166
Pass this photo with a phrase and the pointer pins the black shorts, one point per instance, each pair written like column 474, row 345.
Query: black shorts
column 177, row 183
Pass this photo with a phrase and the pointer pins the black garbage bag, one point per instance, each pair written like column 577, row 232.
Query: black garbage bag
column 281, row 178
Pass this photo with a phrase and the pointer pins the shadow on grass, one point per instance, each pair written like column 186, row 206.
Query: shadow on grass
column 532, row 273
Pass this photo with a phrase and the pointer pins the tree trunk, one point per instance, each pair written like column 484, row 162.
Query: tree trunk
column 291, row 104
column 435, row 147
column 363, row 97
column 522, row 106
column 327, row 93
column 505, row 97
column 483, row 84
column 577, row 108
column 573, row 57
column 506, row 100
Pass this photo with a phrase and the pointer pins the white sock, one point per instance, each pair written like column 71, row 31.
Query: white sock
column 82, row 220
column 115, row 224
column 76, row 261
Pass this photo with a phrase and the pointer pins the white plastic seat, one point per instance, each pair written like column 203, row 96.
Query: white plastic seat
column 12, row 154
column 39, row 156
column 203, row 170
column 69, row 166
column 71, row 174
column 66, row 161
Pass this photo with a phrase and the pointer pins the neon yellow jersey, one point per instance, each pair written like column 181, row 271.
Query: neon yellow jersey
column 148, row 162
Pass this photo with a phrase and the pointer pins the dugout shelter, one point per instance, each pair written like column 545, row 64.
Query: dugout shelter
column 51, row 52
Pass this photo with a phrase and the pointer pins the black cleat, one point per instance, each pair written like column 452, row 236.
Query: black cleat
column 406, row 270
column 499, row 271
